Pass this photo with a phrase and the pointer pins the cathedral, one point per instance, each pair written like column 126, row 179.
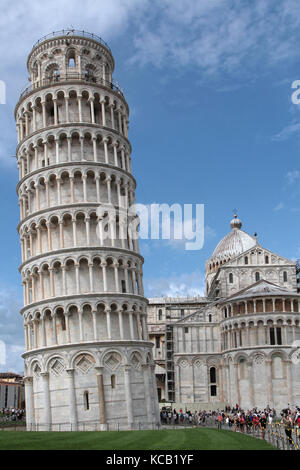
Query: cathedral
column 239, row 343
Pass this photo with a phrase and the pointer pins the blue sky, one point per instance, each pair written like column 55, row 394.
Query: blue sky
column 209, row 87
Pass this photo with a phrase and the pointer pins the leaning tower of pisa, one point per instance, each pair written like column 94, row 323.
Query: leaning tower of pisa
column 88, row 360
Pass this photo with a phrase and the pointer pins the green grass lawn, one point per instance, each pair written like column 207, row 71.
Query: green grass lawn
column 181, row 439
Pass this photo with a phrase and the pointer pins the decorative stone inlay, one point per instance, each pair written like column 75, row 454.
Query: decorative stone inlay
column 112, row 361
column 258, row 359
column 36, row 370
column 135, row 362
column 183, row 363
column 198, row 363
column 57, row 367
column 84, row 363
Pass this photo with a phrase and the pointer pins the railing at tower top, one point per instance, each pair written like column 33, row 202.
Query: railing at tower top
column 72, row 32
column 70, row 77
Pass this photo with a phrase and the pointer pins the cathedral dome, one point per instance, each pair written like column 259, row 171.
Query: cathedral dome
column 234, row 243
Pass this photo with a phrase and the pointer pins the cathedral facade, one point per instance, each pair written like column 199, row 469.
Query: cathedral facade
column 238, row 344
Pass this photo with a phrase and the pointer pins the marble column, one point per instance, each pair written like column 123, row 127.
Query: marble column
column 101, row 398
column 72, row 400
column 47, row 407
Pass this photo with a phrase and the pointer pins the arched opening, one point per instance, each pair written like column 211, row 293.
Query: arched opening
column 212, row 375
column 257, row 276
column 231, row 278
column 212, row 382
column 86, row 400
column 113, row 381
column 160, row 314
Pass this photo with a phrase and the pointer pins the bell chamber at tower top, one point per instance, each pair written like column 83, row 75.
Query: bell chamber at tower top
column 70, row 55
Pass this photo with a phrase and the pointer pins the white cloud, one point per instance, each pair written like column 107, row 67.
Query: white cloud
column 279, row 206
column 287, row 131
column 184, row 285
column 292, row 176
column 218, row 36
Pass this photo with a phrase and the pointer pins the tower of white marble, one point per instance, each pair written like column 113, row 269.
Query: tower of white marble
column 88, row 361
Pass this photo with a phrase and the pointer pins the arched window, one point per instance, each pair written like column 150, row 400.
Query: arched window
column 267, row 259
column 257, row 276
column 242, row 368
column 246, row 260
column 213, row 382
column 212, row 375
column 113, row 381
column 231, row 278
column 285, row 276
column 71, row 59
column 86, row 401
column 209, row 318
column 160, row 314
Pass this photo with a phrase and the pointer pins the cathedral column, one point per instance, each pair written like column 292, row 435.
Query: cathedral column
column 250, row 384
column 268, row 375
column 67, row 108
column 80, row 313
column 115, row 144
column 92, row 110
column 289, row 382
column 112, row 116
column 97, row 179
column 101, row 398
column 221, row 391
column 79, row 108
column 44, row 342
column 55, row 111
column 67, row 314
column 131, row 325
column 128, row 394
column 95, row 149
column 69, row 148
column 102, row 102
column 46, row 408
column 191, row 374
column 44, row 113
column 91, row 277
column 145, row 368
column 33, row 118
column 54, row 329
column 30, row 420
column 121, row 326
column 103, row 265
column 236, row 384
column 105, row 140
column 72, row 399
column 108, row 323
column 94, row 314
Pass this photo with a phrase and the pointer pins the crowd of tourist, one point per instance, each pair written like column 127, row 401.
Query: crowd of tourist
column 12, row 414
column 236, row 419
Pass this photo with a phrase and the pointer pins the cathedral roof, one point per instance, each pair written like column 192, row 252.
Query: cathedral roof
column 234, row 243
column 260, row 289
